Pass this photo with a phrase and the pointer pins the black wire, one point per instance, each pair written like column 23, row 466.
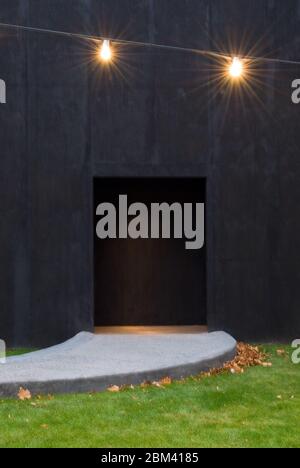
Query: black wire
column 207, row 53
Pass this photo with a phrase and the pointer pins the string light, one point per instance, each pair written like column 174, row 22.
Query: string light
column 105, row 52
column 236, row 68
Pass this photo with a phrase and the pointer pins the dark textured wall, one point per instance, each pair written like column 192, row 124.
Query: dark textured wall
column 67, row 121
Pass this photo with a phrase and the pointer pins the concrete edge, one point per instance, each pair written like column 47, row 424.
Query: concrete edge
column 72, row 343
column 99, row 384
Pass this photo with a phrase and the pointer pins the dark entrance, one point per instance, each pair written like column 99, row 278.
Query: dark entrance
column 149, row 282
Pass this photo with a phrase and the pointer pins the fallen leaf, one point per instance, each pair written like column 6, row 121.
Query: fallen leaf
column 24, row 394
column 123, row 388
column 267, row 364
column 146, row 384
column 166, row 381
column 44, row 426
column 157, row 384
column 113, row 389
column 281, row 352
column 247, row 356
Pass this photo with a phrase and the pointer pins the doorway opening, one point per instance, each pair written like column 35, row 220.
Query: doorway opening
column 148, row 283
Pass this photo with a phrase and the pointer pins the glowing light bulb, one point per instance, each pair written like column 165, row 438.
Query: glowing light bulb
column 236, row 68
column 105, row 51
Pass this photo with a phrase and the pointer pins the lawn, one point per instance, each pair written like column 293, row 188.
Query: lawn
column 260, row 408
column 18, row 351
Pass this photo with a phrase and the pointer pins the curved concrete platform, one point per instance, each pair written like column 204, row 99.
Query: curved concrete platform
column 88, row 362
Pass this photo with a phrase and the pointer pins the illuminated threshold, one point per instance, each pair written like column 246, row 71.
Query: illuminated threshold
column 156, row 330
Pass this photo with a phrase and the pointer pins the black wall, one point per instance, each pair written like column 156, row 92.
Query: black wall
column 67, row 121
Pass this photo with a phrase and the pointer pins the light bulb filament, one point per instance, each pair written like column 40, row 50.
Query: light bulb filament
column 105, row 51
column 236, row 68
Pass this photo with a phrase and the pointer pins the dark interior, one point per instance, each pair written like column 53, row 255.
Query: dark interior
column 149, row 282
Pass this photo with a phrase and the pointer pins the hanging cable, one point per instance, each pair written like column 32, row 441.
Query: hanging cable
column 151, row 45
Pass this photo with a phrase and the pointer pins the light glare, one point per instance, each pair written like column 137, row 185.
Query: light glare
column 105, row 51
column 236, row 68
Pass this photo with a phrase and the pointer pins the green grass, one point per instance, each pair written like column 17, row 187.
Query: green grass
column 18, row 351
column 223, row 411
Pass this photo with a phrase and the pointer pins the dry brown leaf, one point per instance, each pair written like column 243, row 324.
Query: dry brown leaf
column 267, row 364
column 247, row 356
column 158, row 385
column 114, row 389
column 123, row 388
column 24, row 394
column 166, row 381
column 146, row 384
column 44, row 426
column 281, row 352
